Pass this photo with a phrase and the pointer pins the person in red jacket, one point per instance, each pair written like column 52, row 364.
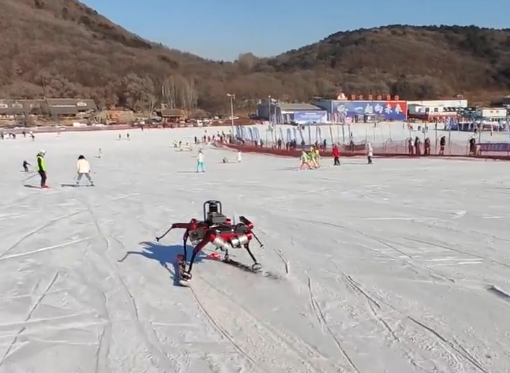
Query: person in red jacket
column 336, row 156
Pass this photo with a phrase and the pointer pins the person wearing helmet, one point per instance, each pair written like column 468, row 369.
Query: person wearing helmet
column 83, row 168
column 41, row 168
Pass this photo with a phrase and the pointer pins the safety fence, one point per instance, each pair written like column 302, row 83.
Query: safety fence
column 388, row 149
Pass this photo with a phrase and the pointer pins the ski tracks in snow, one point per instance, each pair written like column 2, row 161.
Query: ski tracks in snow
column 455, row 350
column 224, row 333
column 39, row 229
column 156, row 353
column 373, row 305
column 264, row 347
column 36, row 304
column 326, row 328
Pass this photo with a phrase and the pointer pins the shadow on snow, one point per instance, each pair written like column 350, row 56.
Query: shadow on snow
column 165, row 256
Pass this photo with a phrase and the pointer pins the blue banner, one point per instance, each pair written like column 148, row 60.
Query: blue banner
column 305, row 117
column 389, row 110
column 256, row 134
column 503, row 147
column 451, row 124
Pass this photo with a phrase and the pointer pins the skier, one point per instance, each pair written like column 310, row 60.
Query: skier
column 239, row 157
column 200, row 161
column 336, row 156
column 25, row 166
column 99, row 153
column 83, row 168
column 316, row 156
column 41, row 168
column 370, row 153
column 305, row 161
column 442, row 144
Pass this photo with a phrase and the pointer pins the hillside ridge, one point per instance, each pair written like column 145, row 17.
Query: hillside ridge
column 72, row 51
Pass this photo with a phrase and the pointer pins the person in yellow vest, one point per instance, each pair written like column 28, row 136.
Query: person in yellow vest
column 317, row 157
column 41, row 168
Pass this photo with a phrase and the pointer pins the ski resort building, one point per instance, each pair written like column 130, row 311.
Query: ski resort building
column 57, row 107
column 299, row 113
column 364, row 110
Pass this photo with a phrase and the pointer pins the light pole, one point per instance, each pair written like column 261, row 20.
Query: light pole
column 269, row 109
column 271, row 124
column 232, row 97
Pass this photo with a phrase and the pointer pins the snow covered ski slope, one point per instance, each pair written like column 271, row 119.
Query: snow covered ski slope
column 402, row 266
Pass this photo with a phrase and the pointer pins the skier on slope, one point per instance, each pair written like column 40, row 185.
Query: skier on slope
column 25, row 166
column 336, row 156
column 305, row 161
column 200, row 161
column 41, row 168
column 83, row 168
column 370, row 153
column 316, row 156
column 239, row 157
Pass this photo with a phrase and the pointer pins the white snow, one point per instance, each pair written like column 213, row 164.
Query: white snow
column 401, row 266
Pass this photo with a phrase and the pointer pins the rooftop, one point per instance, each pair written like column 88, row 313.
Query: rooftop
column 55, row 105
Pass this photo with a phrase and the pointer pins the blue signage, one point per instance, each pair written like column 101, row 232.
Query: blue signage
column 503, row 147
column 305, row 117
column 389, row 110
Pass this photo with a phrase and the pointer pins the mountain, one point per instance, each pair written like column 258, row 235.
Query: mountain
column 413, row 62
column 62, row 48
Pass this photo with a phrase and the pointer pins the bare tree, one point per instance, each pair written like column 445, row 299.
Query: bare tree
column 170, row 92
column 189, row 95
column 152, row 102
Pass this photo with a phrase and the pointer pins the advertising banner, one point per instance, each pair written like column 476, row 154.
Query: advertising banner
column 389, row 110
column 305, row 117
column 503, row 147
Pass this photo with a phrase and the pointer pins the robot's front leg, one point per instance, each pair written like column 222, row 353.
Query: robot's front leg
column 256, row 265
column 196, row 250
column 185, row 245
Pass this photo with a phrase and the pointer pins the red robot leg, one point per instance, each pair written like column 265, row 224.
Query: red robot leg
column 209, row 237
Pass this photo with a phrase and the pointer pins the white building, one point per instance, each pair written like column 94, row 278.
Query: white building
column 491, row 113
column 440, row 103
column 429, row 113
column 283, row 112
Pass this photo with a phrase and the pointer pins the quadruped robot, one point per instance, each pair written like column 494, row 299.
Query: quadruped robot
column 216, row 229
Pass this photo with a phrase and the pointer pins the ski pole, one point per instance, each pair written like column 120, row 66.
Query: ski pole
column 260, row 243
column 164, row 234
column 28, row 178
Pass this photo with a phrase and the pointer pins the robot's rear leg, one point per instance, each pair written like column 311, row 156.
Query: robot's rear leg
column 256, row 265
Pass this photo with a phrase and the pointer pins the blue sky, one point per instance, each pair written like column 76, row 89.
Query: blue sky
column 222, row 29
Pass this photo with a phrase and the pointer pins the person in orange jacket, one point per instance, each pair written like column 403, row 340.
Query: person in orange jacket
column 336, row 156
